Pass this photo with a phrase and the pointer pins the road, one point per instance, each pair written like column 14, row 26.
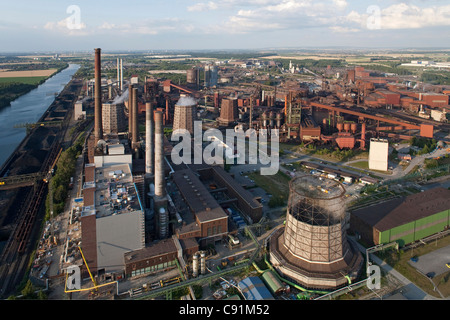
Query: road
column 410, row 291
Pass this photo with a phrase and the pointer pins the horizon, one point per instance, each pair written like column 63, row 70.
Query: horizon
column 227, row 25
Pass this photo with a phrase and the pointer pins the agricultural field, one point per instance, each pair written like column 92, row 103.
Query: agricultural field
column 27, row 73
column 24, row 80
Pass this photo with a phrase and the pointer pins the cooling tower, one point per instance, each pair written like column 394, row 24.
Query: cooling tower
column 228, row 111
column 113, row 119
column 184, row 115
column 312, row 248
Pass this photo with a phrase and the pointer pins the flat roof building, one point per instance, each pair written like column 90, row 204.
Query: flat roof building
column 208, row 220
column 112, row 219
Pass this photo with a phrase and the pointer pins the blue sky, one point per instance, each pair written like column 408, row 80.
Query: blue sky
column 52, row 25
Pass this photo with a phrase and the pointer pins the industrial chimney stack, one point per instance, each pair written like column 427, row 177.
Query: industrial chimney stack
column 121, row 75
column 149, row 136
column 134, row 126
column 160, row 190
column 98, row 130
column 130, row 110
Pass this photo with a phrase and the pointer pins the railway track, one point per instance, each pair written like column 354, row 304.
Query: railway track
column 17, row 251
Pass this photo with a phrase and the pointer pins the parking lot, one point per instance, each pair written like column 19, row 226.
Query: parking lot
column 433, row 263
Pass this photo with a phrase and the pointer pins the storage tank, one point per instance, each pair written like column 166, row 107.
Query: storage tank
column 340, row 126
column 264, row 118
column 278, row 119
column 202, row 262
column 195, row 265
column 163, row 223
column 347, row 127
column 353, row 127
column 191, row 76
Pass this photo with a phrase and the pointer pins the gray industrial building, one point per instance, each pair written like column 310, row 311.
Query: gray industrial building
column 112, row 220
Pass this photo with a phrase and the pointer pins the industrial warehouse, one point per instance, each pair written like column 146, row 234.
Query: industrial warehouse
column 146, row 226
column 404, row 220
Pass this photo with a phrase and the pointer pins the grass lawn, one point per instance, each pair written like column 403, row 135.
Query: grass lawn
column 360, row 164
column 277, row 185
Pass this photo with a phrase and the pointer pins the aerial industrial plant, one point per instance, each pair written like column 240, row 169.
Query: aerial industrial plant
column 140, row 225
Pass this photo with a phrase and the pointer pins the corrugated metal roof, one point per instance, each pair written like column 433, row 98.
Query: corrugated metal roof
column 396, row 212
column 272, row 281
column 198, row 198
column 254, row 289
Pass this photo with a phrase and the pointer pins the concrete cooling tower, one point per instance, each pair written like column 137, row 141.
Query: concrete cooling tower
column 185, row 114
column 312, row 248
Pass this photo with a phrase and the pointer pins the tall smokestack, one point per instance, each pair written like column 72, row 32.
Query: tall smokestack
column 130, row 110
column 118, row 74
column 121, row 75
column 98, row 130
column 250, row 120
column 160, row 190
column 149, row 145
column 134, row 126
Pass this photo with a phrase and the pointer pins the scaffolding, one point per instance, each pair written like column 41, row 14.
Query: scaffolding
column 313, row 249
column 316, row 219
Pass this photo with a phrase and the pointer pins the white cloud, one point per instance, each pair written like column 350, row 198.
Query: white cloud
column 148, row 27
column 284, row 14
column 67, row 26
column 341, row 29
column 402, row 16
column 340, row 3
column 202, row 6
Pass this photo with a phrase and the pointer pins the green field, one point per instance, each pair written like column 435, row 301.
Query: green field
column 26, row 80
column 360, row 164
column 277, row 185
column 14, row 87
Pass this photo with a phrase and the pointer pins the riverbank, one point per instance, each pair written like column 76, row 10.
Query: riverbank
column 28, row 109
column 12, row 88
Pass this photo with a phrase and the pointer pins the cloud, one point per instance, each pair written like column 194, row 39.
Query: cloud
column 341, row 29
column 202, row 6
column 284, row 14
column 401, row 16
column 148, row 27
column 228, row 4
column 67, row 26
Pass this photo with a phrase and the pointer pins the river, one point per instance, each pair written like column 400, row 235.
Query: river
column 28, row 109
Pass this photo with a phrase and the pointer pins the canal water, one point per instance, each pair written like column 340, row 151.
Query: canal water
column 28, row 109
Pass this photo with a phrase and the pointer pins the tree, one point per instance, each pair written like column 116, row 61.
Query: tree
column 28, row 291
